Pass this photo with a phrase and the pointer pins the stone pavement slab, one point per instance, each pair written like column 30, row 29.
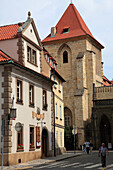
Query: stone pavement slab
column 46, row 160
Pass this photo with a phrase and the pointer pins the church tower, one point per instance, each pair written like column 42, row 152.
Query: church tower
column 78, row 55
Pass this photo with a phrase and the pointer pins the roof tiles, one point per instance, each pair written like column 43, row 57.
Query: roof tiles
column 9, row 31
column 71, row 19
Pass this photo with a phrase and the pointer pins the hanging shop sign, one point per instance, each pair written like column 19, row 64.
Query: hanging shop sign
column 38, row 115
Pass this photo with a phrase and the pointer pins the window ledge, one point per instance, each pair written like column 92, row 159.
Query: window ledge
column 32, row 149
column 45, row 109
column 32, row 63
column 31, row 105
column 21, row 103
column 20, row 150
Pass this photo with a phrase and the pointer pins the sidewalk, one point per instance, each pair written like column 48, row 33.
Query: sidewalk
column 30, row 164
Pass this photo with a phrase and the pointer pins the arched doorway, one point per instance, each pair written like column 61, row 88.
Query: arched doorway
column 105, row 130
column 44, row 142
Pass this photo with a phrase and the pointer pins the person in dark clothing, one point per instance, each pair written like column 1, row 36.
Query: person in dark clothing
column 91, row 147
column 102, row 153
column 87, row 147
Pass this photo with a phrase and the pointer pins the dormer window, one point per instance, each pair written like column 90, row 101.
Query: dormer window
column 55, row 66
column 31, row 55
column 48, row 59
column 66, row 30
column 51, row 62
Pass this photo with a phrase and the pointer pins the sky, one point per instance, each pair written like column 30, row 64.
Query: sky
column 97, row 14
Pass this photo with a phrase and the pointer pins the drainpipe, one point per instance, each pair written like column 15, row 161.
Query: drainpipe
column 53, row 114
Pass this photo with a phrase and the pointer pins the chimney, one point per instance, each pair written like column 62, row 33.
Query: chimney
column 20, row 27
column 53, row 31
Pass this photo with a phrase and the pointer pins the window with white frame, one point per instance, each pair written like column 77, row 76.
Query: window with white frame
column 57, row 139
column 28, row 53
column 61, row 139
column 19, row 91
column 56, row 111
column 31, row 95
column 44, row 100
column 59, row 86
column 34, row 56
column 31, row 55
column 60, row 112
column 54, row 80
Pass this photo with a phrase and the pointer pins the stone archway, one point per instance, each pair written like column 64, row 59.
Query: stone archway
column 105, row 130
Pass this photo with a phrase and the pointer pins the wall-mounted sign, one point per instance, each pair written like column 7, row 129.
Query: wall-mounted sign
column 38, row 115
column 18, row 126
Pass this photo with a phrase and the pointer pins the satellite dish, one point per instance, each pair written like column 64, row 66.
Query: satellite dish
column 18, row 126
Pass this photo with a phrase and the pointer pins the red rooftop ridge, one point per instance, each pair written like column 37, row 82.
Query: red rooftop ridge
column 70, row 19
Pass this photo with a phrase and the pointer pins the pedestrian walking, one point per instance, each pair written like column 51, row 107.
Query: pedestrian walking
column 91, row 147
column 87, row 147
column 84, row 145
column 102, row 153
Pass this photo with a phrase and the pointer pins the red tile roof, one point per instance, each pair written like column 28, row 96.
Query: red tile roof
column 8, row 32
column 106, row 82
column 54, row 62
column 71, row 19
column 4, row 57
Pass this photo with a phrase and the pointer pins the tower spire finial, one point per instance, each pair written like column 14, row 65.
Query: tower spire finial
column 71, row 2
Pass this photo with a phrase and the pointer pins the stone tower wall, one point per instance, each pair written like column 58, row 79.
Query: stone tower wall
column 82, row 70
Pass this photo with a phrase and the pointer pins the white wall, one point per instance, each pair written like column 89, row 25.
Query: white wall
column 24, row 112
column 30, row 65
column 31, row 34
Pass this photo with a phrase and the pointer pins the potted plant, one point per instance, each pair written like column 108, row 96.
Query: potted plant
column 20, row 146
column 32, row 146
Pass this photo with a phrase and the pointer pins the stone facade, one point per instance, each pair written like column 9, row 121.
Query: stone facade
column 82, row 70
column 102, row 116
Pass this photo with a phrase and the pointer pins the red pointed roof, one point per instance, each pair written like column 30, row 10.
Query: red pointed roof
column 71, row 19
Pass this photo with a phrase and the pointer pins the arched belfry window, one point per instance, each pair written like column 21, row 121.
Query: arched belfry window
column 65, row 57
